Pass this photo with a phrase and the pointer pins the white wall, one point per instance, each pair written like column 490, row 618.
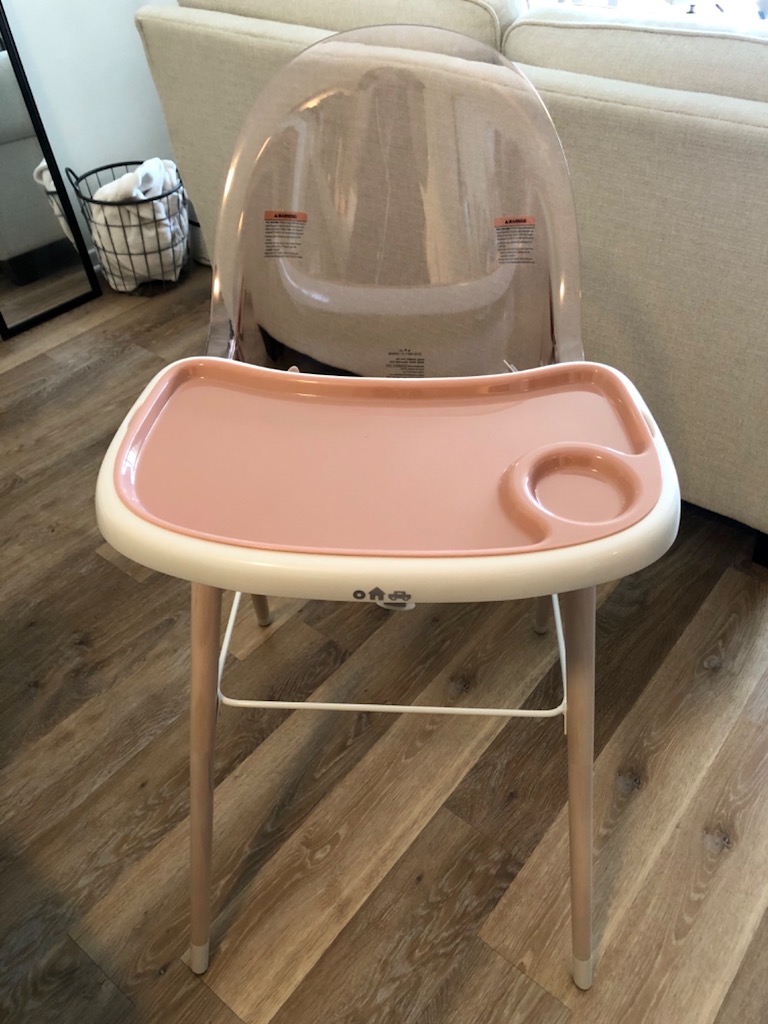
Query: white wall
column 89, row 77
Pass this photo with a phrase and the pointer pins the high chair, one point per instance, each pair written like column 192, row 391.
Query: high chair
column 395, row 406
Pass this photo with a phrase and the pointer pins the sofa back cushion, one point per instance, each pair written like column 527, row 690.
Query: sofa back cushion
column 691, row 56
column 484, row 20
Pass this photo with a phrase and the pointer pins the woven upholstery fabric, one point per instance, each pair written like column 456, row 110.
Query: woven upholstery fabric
column 671, row 203
column 192, row 55
column 667, row 53
column 14, row 119
column 484, row 20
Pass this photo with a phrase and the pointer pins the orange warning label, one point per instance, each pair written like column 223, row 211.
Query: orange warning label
column 284, row 234
column 501, row 222
column 515, row 238
column 284, row 215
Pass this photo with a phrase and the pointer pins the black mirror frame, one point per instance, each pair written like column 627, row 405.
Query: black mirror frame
column 66, row 206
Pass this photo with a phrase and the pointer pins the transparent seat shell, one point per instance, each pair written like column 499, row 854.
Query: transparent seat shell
column 398, row 205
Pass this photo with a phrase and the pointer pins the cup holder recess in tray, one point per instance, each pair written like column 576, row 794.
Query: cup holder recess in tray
column 578, row 485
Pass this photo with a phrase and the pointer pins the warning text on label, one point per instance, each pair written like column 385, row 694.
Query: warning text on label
column 514, row 239
column 405, row 362
column 283, row 234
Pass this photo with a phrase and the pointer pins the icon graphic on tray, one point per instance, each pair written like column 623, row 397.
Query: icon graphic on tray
column 377, row 594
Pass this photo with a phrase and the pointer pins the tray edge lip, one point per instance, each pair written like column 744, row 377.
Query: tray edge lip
column 176, row 374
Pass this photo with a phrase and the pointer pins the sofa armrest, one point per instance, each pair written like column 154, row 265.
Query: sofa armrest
column 672, row 210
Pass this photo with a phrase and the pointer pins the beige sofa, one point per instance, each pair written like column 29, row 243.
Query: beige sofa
column 665, row 127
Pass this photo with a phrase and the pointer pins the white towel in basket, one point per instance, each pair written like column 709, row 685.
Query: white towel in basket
column 141, row 241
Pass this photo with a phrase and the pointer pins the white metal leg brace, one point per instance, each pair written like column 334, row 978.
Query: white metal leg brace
column 400, row 709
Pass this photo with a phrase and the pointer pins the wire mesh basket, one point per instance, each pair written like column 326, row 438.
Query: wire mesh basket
column 142, row 243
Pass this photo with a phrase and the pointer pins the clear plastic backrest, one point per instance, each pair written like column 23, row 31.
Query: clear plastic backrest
column 398, row 205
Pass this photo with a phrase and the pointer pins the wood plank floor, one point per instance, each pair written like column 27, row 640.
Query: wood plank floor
column 368, row 868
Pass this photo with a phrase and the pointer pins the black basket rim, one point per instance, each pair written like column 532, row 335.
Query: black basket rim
column 75, row 179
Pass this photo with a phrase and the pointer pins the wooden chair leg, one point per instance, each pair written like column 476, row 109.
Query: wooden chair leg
column 205, row 632
column 261, row 607
column 578, row 614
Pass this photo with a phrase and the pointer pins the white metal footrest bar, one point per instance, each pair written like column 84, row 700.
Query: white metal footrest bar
column 398, row 709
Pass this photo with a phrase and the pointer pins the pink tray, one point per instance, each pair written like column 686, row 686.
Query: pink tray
column 460, row 466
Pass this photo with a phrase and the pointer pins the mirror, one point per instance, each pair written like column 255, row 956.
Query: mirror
column 44, row 264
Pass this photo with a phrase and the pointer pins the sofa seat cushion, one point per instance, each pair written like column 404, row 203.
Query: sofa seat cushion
column 484, row 20
column 692, row 56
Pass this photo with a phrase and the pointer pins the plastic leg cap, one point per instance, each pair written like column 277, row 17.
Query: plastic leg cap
column 198, row 958
column 582, row 973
